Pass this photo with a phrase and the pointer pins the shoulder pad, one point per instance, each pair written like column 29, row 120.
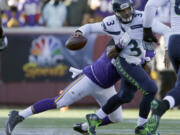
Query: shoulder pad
column 110, row 25
column 109, row 22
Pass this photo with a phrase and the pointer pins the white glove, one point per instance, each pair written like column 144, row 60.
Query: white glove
column 125, row 39
column 75, row 71
column 3, row 43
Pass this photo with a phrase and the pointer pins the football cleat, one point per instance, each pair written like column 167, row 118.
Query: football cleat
column 78, row 128
column 93, row 121
column 14, row 119
column 142, row 130
column 153, row 121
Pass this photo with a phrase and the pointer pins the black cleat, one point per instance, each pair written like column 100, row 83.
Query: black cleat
column 14, row 119
column 78, row 128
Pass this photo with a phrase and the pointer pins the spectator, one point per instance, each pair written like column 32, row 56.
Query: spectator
column 54, row 13
column 3, row 5
column 13, row 17
column 78, row 12
column 31, row 9
column 102, row 8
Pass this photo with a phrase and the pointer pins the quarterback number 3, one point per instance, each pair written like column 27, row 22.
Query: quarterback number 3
column 135, row 48
column 177, row 7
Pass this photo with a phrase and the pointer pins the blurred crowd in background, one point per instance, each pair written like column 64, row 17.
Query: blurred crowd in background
column 56, row 13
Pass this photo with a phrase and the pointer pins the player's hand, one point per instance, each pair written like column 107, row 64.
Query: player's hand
column 77, row 33
column 125, row 39
column 75, row 72
column 148, row 35
column 3, row 43
column 112, row 51
column 166, row 60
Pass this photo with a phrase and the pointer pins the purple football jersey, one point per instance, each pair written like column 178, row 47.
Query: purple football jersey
column 102, row 72
column 19, row 17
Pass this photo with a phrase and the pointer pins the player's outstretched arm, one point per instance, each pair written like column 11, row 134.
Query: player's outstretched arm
column 149, row 14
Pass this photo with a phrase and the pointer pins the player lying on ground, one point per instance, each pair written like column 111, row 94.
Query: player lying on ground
column 96, row 80
column 126, row 29
column 173, row 96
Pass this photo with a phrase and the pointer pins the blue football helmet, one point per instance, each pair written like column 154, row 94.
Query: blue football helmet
column 124, row 10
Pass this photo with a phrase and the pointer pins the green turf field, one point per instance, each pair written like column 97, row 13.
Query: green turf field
column 58, row 123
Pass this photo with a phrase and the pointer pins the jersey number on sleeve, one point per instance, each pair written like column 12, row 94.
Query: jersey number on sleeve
column 177, row 7
column 110, row 23
column 135, row 48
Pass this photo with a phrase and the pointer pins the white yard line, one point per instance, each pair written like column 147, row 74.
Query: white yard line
column 69, row 131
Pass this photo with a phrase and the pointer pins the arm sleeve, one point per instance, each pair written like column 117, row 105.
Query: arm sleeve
column 92, row 28
column 162, row 29
column 150, row 11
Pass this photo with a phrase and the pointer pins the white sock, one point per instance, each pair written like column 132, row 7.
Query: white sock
column 171, row 101
column 26, row 112
column 84, row 126
column 141, row 121
column 101, row 114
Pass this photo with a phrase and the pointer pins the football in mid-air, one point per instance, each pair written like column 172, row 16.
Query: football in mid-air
column 76, row 43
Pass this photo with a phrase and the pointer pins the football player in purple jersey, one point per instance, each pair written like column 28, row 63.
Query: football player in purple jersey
column 96, row 80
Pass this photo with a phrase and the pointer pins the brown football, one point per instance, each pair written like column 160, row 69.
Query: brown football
column 76, row 43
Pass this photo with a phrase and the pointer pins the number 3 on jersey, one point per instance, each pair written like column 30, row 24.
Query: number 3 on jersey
column 177, row 7
column 135, row 49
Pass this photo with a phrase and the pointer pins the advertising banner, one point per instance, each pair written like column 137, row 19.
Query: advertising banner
column 42, row 57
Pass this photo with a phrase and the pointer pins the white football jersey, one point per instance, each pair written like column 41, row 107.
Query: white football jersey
column 134, row 51
column 151, row 8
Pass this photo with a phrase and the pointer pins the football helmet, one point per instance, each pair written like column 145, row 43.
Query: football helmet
column 124, row 10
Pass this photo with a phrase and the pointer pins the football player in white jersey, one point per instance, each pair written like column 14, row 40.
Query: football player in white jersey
column 3, row 39
column 172, row 97
column 126, row 29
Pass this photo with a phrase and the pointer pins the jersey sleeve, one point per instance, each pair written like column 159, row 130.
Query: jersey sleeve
column 150, row 11
column 162, row 29
column 92, row 28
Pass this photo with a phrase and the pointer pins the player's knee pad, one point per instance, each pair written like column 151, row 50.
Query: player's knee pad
column 116, row 119
column 116, row 116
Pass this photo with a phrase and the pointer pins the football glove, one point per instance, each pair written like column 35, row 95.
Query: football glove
column 148, row 35
column 75, row 72
column 149, row 47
